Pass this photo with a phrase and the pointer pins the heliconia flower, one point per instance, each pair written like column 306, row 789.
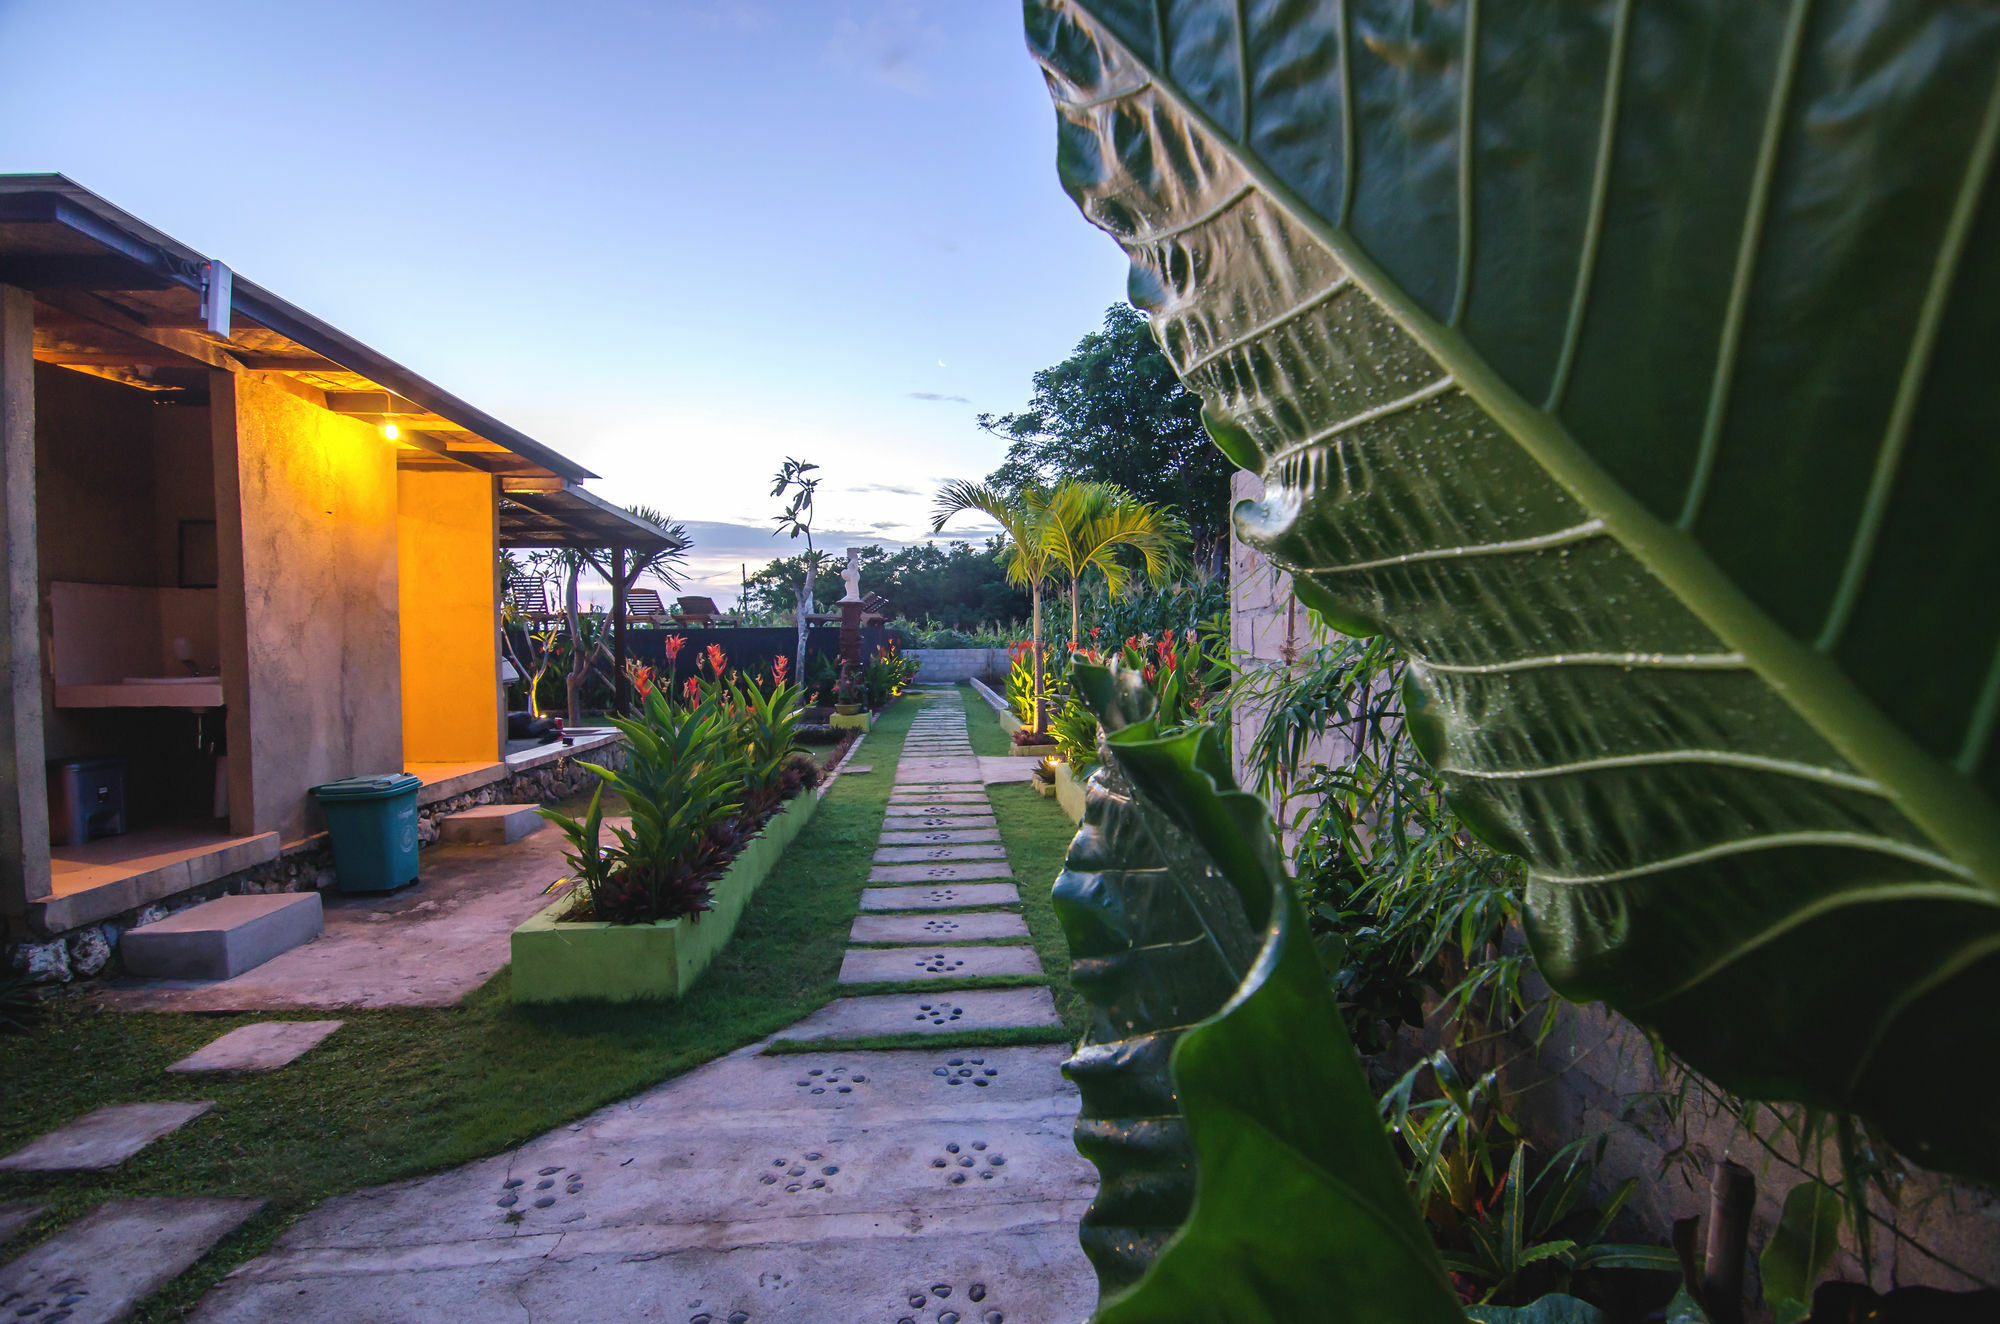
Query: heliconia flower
column 718, row 662
column 778, row 670
column 674, row 644
column 1094, row 630
column 693, row 689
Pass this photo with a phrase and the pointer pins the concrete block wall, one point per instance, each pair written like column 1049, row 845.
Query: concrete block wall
column 951, row 665
column 1597, row 1072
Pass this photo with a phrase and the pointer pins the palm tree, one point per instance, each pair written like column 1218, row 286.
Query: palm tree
column 1021, row 519
column 1089, row 523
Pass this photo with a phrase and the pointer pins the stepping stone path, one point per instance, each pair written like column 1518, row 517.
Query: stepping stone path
column 265, row 1046
column 934, row 1185
column 102, row 1139
column 96, row 1269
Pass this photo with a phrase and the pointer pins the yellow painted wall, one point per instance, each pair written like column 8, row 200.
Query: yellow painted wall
column 447, row 527
column 311, row 665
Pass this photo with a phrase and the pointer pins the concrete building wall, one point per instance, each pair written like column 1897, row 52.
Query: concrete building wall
column 312, row 668
column 24, row 804
column 950, row 665
column 447, row 539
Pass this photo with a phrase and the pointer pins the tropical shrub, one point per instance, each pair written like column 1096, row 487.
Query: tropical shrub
column 1631, row 398
column 884, row 675
column 704, row 768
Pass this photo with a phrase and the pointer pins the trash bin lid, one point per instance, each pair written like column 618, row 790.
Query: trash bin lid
column 377, row 787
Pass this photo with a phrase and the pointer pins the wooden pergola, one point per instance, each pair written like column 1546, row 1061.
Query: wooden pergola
column 569, row 517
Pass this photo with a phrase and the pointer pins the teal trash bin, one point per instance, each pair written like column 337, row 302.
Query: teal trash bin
column 373, row 823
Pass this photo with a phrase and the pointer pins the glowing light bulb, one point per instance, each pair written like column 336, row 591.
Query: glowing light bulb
column 390, row 431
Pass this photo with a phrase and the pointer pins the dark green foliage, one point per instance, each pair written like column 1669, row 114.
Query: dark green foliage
column 957, row 585
column 1223, row 1103
column 1664, row 473
column 1114, row 412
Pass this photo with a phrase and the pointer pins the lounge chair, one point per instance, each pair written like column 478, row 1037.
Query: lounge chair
column 643, row 605
column 701, row 611
column 530, row 599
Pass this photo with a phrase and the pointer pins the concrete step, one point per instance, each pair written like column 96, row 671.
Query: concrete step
column 220, row 939
column 490, row 825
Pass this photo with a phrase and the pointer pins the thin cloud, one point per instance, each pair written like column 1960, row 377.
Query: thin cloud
column 896, row 488
column 941, row 399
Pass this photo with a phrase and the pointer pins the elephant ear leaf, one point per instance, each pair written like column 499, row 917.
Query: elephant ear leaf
column 1223, row 1103
column 1629, row 366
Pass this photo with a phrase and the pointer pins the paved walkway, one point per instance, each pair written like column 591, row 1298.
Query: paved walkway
column 825, row 1186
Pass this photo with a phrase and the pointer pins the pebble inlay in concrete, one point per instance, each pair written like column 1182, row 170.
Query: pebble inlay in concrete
column 940, row 898
column 965, row 871
column 904, row 1013
column 941, row 836
column 880, row 965
column 937, row 928
column 922, row 854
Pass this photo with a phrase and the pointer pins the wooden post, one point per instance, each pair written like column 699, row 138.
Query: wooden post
column 1732, row 1198
column 621, row 684
column 24, row 803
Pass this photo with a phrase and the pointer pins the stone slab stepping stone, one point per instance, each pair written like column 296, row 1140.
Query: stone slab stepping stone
column 967, row 927
column 967, row 791
column 935, row 873
column 96, row 1269
column 884, row 965
column 938, row 836
column 971, row 807
column 919, row 823
column 220, row 939
column 1001, row 768
column 102, row 1139
column 920, row 854
column 265, row 1046
column 859, row 770
column 946, row 896
column 928, row 1013
column 490, row 825
column 14, row 1217
column 928, row 802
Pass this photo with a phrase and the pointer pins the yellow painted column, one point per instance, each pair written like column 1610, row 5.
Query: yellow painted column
column 447, row 532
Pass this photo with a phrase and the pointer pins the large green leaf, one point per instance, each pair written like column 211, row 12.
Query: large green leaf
column 1223, row 1103
column 1628, row 362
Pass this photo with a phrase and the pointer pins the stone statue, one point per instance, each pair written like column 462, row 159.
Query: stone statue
column 852, row 575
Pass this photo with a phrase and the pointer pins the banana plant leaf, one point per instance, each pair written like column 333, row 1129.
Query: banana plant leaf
column 1629, row 364
column 1548, row 1310
column 1223, row 1102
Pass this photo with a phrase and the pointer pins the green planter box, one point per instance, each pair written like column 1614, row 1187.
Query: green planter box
column 562, row 961
column 860, row 721
column 1069, row 791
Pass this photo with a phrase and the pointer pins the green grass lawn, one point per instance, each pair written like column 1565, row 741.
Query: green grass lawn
column 1037, row 834
column 402, row 1092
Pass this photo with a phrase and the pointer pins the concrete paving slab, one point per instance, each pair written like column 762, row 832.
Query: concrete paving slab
column 927, row 1013
column 939, row 873
column 951, row 836
column 884, row 965
column 894, row 822
column 961, row 791
column 924, row 854
column 940, row 896
column 490, row 825
column 857, row 770
column 1002, row 768
column 424, row 946
column 682, row 1202
column 980, row 807
column 265, row 1046
column 102, row 1139
column 15, row 1216
column 968, row 927
column 222, row 938
column 99, row 1267
column 924, row 800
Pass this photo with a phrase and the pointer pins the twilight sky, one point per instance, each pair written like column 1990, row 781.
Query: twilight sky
column 675, row 240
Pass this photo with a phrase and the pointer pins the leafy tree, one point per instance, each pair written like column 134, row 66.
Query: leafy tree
column 1090, row 524
column 1114, row 412
column 1021, row 518
column 958, row 585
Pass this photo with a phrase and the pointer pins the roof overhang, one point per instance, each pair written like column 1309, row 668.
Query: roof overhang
column 119, row 299
column 568, row 516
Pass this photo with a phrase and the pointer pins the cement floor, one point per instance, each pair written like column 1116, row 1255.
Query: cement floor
column 827, row 1186
column 425, row 945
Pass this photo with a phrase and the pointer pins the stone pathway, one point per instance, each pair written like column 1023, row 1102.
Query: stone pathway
column 813, row 1185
